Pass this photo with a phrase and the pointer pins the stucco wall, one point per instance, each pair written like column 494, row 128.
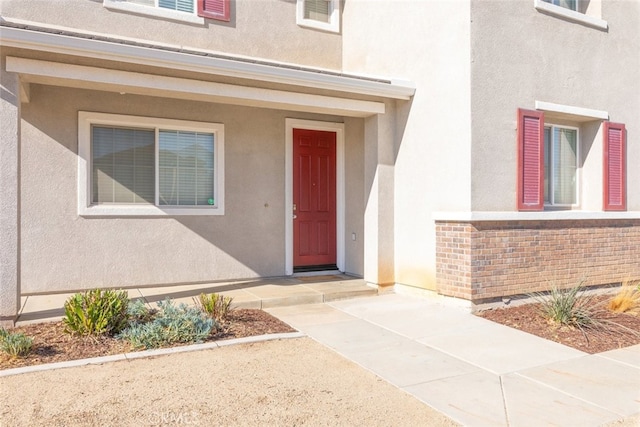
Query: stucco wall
column 426, row 42
column 61, row 250
column 354, row 196
column 258, row 28
column 520, row 55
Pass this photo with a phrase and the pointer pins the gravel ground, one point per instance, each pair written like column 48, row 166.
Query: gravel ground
column 288, row 382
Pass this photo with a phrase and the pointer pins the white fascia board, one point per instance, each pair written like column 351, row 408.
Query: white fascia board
column 573, row 111
column 68, row 45
column 79, row 76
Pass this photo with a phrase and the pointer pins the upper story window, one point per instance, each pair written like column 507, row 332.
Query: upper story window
column 568, row 4
column 192, row 11
column 320, row 14
column 586, row 12
column 145, row 166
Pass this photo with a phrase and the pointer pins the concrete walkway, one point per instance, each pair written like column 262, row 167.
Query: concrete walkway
column 475, row 371
column 259, row 293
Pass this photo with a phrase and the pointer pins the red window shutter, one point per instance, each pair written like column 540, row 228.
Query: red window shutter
column 530, row 160
column 214, row 9
column 615, row 174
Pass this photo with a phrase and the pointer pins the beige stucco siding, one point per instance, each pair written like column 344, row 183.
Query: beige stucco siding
column 519, row 56
column 428, row 44
column 258, row 28
column 61, row 251
column 354, row 196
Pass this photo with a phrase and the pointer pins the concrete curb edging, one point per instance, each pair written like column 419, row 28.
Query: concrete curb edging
column 149, row 353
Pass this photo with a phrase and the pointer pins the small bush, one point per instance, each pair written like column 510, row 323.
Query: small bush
column 139, row 312
column 569, row 307
column 172, row 324
column 627, row 300
column 215, row 305
column 96, row 312
column 15, row 344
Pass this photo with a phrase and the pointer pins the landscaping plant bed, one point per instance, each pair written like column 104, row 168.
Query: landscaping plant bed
column 52, row 344
column 618, row 330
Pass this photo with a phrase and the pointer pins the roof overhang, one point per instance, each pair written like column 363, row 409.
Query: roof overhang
column 21, row 34
column 83, row 77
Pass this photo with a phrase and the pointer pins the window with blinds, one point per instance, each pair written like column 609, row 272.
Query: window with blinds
column 186, row 168
column 317, row 10
column 179, row 5
column 123, row 165
column 319, row 14
column 178, row 10
column 567, row 4
column 560, row 165
column 142, row 165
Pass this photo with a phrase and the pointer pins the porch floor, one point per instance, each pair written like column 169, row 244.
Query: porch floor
column 258, row 293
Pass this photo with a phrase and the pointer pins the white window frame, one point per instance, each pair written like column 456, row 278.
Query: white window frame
column 85, row 205
column 549, row 204
column 160, row 12
column 334, row 20
column 572, row 15
column 556, row 3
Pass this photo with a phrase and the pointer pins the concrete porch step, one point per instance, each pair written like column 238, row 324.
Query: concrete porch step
column 258, row 294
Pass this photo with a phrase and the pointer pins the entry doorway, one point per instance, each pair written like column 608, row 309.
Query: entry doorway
column 314, row 200
column 314, row 196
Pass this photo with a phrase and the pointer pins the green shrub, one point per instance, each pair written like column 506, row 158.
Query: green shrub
column 569, row 307
column 139, row 312
column 15, row 344
column 96, row 312
column 172, row 324
column 215, row 305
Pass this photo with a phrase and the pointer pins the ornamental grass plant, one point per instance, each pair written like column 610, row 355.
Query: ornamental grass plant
column 627, row 299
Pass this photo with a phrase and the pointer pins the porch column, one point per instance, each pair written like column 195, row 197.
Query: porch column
column 9, row 196
column 379, row 153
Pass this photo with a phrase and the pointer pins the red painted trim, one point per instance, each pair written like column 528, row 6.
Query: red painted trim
column 621, row 195
column 531, row 156
column 214, row 9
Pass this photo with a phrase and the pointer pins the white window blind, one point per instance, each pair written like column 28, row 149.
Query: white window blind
column 317, row 10
column 186, row 168
column 179, row 5
column 560, row 165
column 123, row 165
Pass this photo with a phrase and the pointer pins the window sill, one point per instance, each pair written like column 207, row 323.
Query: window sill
column 571, row 15
column 317, row 25
column 557, row 215
column 138, row 211
column 123, row 6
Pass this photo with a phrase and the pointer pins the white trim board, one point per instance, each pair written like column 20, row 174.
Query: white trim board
column 572, row 15
column 569, row 110
column 230, row 67
column 78, row 76
column 338, row 128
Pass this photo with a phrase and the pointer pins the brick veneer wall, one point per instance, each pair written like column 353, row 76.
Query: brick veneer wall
column 485, row 260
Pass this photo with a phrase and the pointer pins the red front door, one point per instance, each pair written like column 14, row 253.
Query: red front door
column 314, row 198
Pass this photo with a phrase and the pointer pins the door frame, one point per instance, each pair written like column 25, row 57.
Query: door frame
column 338, row 129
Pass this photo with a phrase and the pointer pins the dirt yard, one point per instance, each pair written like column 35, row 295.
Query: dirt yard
column 288, row 382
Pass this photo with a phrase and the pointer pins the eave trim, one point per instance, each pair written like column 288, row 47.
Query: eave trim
column 123, row 50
